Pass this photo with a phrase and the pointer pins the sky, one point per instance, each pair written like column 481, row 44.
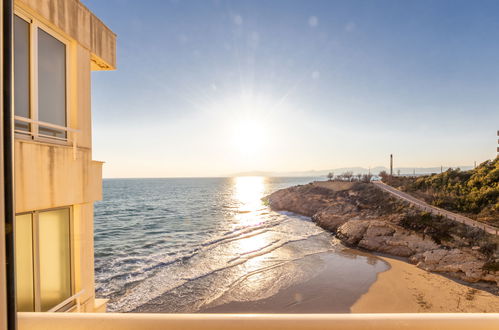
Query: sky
column 213, row 88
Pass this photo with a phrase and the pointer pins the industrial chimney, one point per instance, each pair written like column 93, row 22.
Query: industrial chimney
column 391, row 164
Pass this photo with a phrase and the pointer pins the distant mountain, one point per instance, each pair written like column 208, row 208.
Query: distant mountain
column 355, row 170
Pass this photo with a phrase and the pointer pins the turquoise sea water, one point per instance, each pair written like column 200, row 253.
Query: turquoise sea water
column 190, row 241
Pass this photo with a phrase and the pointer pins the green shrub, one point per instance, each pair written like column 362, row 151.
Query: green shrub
column 436, row 227
column 492, row 266
column 474, row 192
column 488, row 248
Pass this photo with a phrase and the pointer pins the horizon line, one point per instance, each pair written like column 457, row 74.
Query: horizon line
column 273, row 174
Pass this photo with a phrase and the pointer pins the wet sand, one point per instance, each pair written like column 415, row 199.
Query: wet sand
column 336, row 286
column 403, row 288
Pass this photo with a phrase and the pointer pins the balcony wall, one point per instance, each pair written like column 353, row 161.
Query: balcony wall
column 38, row 321
column 49, row 176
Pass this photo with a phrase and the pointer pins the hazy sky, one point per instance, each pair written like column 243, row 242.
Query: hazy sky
column 210, row 88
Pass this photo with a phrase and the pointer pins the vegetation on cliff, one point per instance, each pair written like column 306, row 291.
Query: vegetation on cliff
column 474, row 192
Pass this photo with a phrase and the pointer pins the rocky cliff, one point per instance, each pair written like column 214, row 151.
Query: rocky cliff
column 363, row 216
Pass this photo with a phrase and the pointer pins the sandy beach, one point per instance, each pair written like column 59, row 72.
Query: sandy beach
column 404, row 288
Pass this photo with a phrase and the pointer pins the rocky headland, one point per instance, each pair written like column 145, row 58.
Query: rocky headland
column 363, row 216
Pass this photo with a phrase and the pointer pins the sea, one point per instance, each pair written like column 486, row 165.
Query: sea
column 181, row 245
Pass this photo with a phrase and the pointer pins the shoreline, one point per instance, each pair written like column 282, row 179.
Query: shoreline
column 332, row 289
column 402, row 288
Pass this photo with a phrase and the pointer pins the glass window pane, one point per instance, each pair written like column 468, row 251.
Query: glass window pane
column 24, row 263
column 51, row 83
column 55, row 262
column 21, row 71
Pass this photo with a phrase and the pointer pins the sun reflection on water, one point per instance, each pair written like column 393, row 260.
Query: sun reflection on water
column 254, row 247
column 248, row 191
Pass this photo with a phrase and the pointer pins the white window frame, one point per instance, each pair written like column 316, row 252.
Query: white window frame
column 34, row 123
column 72, row 301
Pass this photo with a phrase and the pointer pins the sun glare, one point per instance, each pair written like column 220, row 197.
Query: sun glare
column 249, row 136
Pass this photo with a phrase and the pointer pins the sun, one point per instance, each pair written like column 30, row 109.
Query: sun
column 249, row 136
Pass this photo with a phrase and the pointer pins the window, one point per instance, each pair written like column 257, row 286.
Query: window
column 21, row 72
column 40, row 81
column 24, row 263
column 43, row 259
column 51, row 83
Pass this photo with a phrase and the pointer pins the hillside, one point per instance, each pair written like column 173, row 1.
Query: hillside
column 474, row 193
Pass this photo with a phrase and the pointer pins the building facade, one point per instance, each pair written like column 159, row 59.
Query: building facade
column 57, row 43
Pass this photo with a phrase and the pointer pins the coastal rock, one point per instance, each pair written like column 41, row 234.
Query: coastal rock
column 303, row 200
column 328, row 220
column 401, row 251
column 362, row 216
column 491, row 277
column 467, row 266
column 383, row 244
column 382, row 236
column 372, row 243
column 418, row 243
column 379, row 228
column 411, row 241
column 352, row 231
column 432, row 257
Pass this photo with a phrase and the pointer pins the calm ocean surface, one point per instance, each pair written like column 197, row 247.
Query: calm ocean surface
column 178, row 245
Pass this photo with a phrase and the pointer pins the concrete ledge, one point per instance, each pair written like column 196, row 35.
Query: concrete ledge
column 81, row 321
column 100, row 305
column 75, row 20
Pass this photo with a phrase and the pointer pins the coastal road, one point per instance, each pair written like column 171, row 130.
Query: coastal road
column 435, row 210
